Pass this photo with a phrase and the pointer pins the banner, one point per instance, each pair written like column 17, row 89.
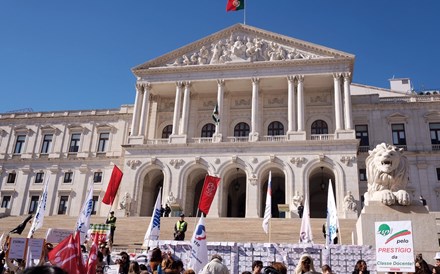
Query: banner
column 394, row 246
column 199, row 249
column 83, row 222
column 208, row 192
column 332, row 216
column 153, row 230
column 41, row 211
column 305, row 234
column 113, row 186
column 268, row 208
column 103, row 231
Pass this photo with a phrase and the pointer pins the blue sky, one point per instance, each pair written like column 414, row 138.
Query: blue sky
column 70, row 55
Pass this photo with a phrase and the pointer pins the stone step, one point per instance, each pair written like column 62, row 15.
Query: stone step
column 130, row 231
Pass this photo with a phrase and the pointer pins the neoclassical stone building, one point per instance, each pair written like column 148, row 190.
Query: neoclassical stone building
column 283, row 106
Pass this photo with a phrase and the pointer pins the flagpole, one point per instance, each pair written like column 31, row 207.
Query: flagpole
column 244, row 14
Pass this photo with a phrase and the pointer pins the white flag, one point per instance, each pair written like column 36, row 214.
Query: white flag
column 305, row 234
column 332, row 216
column 41, row 210
column 153, row 230
column 199, row 249
column 268, row 208
column 83, row 222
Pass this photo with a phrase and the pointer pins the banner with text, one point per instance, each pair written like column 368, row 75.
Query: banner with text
column 394, row 246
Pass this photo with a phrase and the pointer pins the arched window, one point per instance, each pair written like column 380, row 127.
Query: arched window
column 166, row 132
column 275, row 128
column 241, row 130
column 208, row 130
column 319, row 127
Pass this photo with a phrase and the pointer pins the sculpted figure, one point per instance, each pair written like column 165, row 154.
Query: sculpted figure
column 203, row 56
column 387, row 175
column 216, row 52
column 126, row 201
column 171, row 199
column 297, row 200
column 350, row 203
column 239, row 49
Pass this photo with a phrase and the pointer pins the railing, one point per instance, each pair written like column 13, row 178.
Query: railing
column 277, row 138
column 202, row 140
column 363, row 149
column 157, row 141
column 435, row 147
column 322, row 137
column 411, row 99
column 241, row 139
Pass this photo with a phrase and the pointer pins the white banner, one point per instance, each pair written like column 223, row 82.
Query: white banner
column 199, row 249
column 394, row 246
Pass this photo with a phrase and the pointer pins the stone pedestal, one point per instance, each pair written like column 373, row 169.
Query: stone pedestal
column 423, row 225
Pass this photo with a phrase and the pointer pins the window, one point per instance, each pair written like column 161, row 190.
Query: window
column 68, row 177
column 6, row 201
column 74, row 142
column 19, row 144
column 39, row 177
column 103, row 141
column 241, row 130
column 97, row 177
column 362, row 174
column 398, row 131
column 166, row 132
column 11, row 178
column 362, row 135
column 62, row 207
column 319, row 127
column 438, row 173
column 33, row 205
column 208, row 130
column 94, row 203
column 47, row 141
column 275, row 128
column 434, row 128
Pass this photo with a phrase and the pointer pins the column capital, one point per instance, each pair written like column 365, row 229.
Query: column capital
column 300, row 78
column 179, row 84
column 347, row 76
column 188, row 84
column 255, row 80
column 221, row 82
column 291, row 78
column 140, row 87
column 337, row 75
column 147, row 86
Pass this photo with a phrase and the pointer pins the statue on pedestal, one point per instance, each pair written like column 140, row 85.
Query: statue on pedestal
column 171, row 199
column 387, row 175
column 126, row 203
column 297, row 200
column 350, row 204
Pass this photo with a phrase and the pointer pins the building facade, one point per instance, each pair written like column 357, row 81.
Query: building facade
column 282, row 106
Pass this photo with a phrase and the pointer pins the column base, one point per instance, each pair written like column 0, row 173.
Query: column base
column 253, row 136
column 136, row 140
column 345, row 134
column 217, row 138
column 178, row 139
column 296, row 136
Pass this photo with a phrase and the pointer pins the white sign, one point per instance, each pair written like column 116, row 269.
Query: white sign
column 394, row 246
column 35, row 248
column 57, row 235
column 17, row 247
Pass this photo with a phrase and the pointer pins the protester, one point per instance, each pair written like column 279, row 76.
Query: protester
column 180, row 228
column 215, row 266
column 257, row 266
column 46, row 269
column 189, row 271
column 305, row 264
column 436, row 269
column 123, row 262
column 326, row 269
column 421, row 266
column 105, row 249
column 134, row 268
column 280, row 267
column 155, row 259
column 111, row 220
column 360, row 268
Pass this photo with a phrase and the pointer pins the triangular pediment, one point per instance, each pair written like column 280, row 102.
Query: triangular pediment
column 243, row 44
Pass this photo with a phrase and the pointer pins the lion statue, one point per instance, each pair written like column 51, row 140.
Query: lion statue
column 387, row 175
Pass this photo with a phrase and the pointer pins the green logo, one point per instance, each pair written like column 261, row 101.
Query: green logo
column 384, row 229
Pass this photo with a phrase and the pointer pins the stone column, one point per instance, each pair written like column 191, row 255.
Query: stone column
column 253, row 199
column 137, row 109
column 300, row 102
column 253, row 135
column 338, row 101
column 291, row 117
column 220, row 92
column 177, row 105
column 185, row 113
column 145, row 110
column 347, row 102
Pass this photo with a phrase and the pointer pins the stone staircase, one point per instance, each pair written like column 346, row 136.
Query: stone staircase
column 130, row 231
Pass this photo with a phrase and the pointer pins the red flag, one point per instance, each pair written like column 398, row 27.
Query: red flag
column 81, row 268
column 208, row 192
column 93, row 256
column 65, row 255
column 113, row 186
column 234, row 5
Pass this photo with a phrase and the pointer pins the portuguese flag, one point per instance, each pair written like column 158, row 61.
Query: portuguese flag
column 234, row 5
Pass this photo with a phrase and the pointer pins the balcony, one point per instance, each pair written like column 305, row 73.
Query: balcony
column 436, row 147
column 322, row 137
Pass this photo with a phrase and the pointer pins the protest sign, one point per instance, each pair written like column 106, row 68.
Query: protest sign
column 56, row 235
column 17, row 248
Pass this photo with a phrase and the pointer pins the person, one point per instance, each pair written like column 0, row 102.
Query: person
column 134, row 268
column 155, row 259
column 422, row 200
column 436, row 269
column 167, row 210
column 112, row 222
column 180, row 228
column 123, row 262
column 162, row 211
column 300, row 210
column 360, row 268
column 44, row 269
column 215, row 266
column 105, row 249
column 280, row 267
column 257, row 266
column 421, row 266
column 326, row 269
column 19, row 229
column 305, row 265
